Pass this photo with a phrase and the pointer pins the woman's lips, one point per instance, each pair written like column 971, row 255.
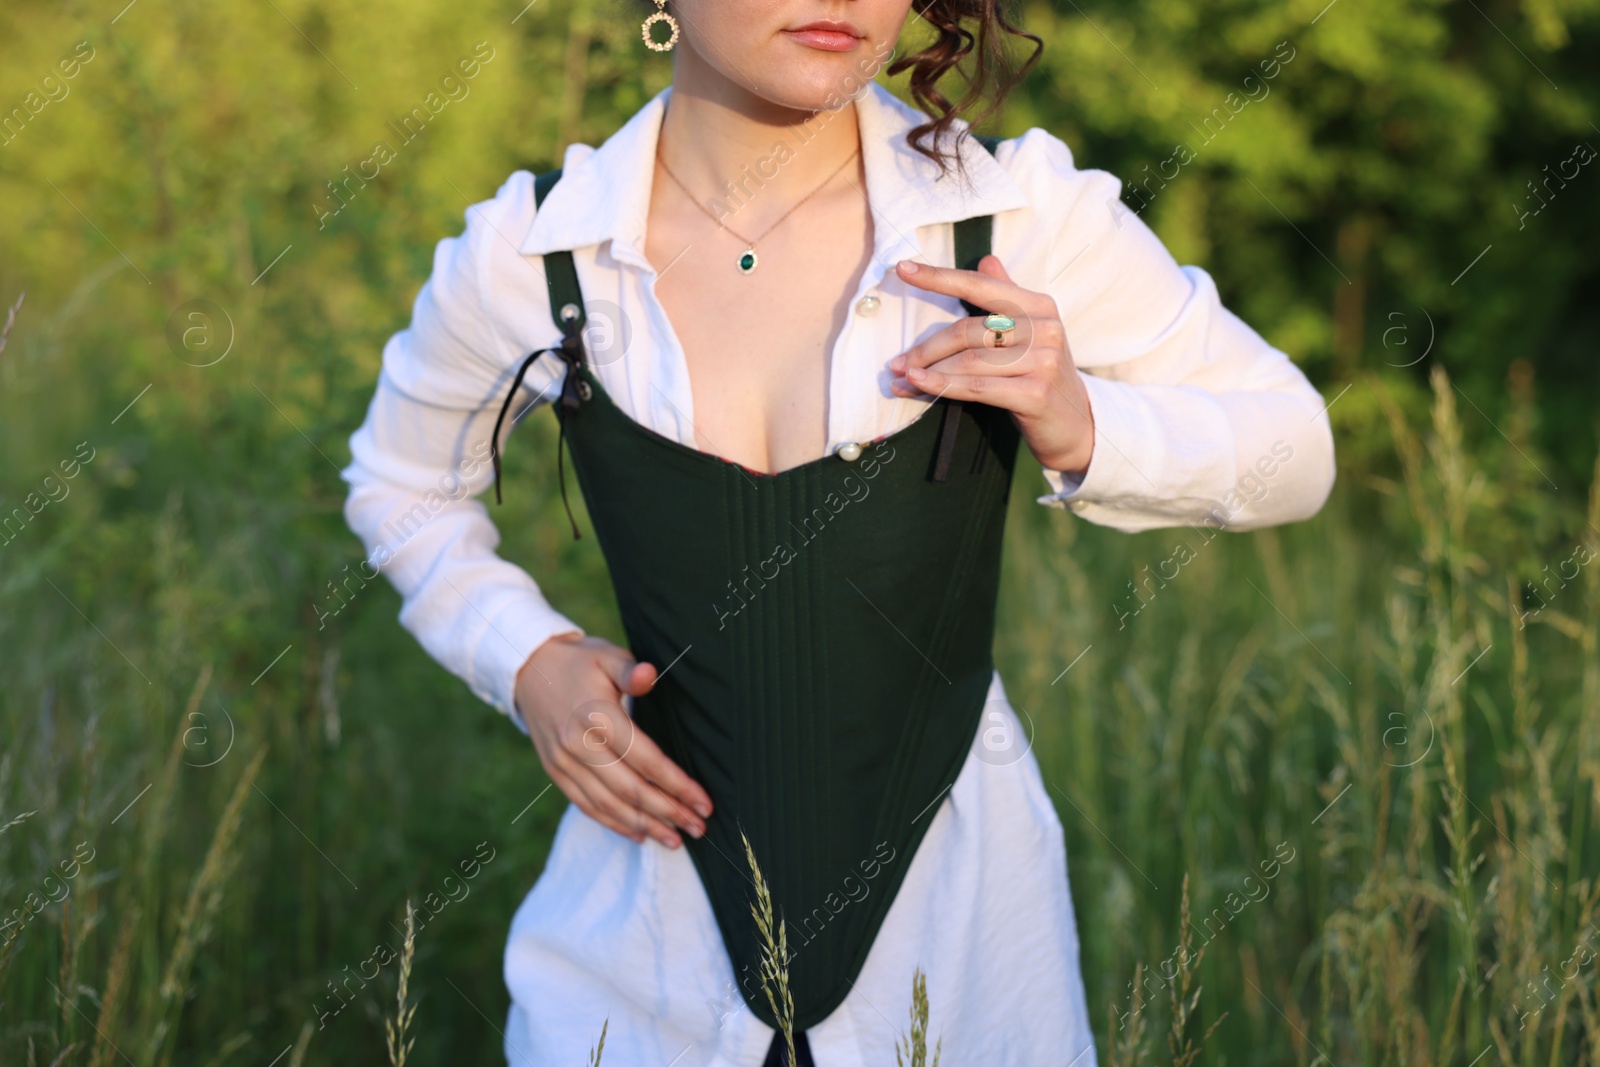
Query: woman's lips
column 823, row 39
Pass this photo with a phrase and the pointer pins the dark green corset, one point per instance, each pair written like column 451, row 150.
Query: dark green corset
column 829, row 630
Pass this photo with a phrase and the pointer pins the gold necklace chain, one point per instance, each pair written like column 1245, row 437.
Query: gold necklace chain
column 747, row 260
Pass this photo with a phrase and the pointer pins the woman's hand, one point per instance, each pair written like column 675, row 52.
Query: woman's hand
column 569, row 695
column 1032, row 376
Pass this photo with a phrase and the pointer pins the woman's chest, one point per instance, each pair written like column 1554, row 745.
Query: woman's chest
column 759, row 346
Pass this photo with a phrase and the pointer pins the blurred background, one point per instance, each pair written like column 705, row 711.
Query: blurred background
column 226, row 767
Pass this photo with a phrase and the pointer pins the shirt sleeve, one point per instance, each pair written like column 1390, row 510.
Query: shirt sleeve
column 1198, row 420
column 422, row 456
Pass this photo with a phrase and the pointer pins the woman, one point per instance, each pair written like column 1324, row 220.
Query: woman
column 795, row 435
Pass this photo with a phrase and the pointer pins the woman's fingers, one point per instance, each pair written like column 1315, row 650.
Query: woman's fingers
column 611, row 738
column 618, row 794
column 626, row 673
column 635, row 791
column 982, row 361
column 948, row 377
column 594, row 752
column 641, row 679
column 970, row 335
column 604, row 738
column 626, row 764
column 632, row 744
column 997, row 293
column 1024, row 395
column 646, row 757
column 1035, row 343
column 597, row 800
column 575, row 792
column 1032, row 375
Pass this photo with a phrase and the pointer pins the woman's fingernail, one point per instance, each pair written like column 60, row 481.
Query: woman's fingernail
column 916, row 374
column 897, row 364
column 908, row 266
column 697, row 832
column 703, row 810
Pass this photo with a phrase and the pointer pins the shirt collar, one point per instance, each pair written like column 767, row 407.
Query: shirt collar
column 604, row 193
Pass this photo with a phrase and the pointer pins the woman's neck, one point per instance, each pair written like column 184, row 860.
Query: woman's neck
column 722, row 140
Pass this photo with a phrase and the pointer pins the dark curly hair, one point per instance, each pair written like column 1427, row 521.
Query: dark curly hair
column 989, row 80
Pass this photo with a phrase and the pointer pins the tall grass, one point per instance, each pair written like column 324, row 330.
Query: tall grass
column 912, row 1049
column 1376, row 690
column 1375, row 694
column 396, row 1031
column 773, row 966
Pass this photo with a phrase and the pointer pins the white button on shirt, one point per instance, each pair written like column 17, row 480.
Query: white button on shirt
column 1194, row 413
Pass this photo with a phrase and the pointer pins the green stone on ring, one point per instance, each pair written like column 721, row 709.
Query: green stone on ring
column 747, row 262
column 1000, row 323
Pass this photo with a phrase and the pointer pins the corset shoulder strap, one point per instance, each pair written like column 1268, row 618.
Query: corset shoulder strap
column 566, row 309
column 972, row 241
column 566, row 298
column 972, row 236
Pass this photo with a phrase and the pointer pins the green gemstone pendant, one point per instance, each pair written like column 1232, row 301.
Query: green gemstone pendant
column 747, row 261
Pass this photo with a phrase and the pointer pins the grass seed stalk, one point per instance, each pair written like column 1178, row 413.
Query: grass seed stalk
column 774, row 964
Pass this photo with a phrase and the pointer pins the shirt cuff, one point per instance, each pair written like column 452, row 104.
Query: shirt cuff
column 1112, row 471
column 504, row 647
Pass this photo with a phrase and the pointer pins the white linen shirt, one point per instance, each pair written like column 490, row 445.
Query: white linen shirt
column 1196, row 418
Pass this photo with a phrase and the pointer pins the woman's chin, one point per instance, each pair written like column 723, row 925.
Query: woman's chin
column 812, row 86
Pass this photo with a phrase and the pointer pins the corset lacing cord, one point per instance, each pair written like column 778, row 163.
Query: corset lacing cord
column 571, row 352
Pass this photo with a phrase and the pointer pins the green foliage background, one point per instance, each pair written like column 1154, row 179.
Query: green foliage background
column 1363, row 213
